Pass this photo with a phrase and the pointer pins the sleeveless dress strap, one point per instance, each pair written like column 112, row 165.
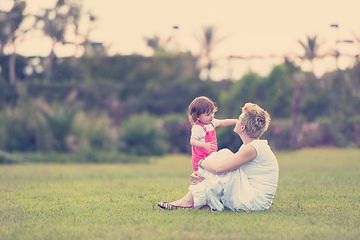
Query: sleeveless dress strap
column 202, row 125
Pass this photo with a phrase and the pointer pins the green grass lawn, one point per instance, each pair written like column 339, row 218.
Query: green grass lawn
column 318, row 197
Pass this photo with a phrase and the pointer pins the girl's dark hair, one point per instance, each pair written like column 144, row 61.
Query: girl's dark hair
column 199, row 106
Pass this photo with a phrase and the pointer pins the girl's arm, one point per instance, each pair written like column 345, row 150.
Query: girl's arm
column 210, row 146
column 244, row 155
column 227, row 122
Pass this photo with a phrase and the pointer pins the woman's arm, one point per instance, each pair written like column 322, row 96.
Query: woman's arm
column 244, row 155
column 227, row 122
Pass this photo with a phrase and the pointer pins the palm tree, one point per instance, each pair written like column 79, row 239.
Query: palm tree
column 311, row 50
column 296, row 76
column 156, row 44
column 54, row 27
column 3, row 31
column 9, row 32
column 357, row 38
column 55, row 23
column 208, row 42
column 311, row 53
column 60, row 123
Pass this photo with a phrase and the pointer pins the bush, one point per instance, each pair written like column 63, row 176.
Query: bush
column 93, row 137
column 312, row 134
column 80, row 157
column 278, row 134
column 16, row 135
column 316, row 134
column 6, row 158
column 98, row 139
column 178, row 131
column 92, row 131
column 143, row 135
column 8, row 94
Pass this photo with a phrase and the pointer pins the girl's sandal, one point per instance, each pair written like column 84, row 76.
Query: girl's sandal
column 168, row 206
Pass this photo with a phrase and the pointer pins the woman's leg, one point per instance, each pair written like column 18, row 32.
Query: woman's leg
column 186, row 201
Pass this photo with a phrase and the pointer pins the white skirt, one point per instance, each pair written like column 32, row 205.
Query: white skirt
column 228, row 191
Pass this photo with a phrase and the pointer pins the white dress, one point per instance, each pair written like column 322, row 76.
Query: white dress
column 249, row 188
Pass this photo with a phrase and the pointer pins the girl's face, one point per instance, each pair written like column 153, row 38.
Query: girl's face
column 206, row 118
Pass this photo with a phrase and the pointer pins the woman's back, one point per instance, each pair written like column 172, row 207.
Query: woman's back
column 262, row 173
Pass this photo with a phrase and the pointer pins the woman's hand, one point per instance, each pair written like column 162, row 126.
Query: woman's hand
column 196, row 178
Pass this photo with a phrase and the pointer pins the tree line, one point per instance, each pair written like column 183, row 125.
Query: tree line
column 137, row 105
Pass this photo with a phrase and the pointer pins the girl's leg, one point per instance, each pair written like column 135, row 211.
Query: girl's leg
column 186, row 201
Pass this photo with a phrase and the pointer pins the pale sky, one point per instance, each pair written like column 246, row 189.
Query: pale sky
column 251, row 27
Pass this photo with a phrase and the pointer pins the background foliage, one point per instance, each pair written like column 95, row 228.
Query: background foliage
column 160, row 100
column 137, row 105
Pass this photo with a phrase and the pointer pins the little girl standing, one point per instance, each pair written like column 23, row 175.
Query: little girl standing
column 203, row 134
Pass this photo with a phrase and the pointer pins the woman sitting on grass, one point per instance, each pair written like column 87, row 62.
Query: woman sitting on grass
column 246, row 180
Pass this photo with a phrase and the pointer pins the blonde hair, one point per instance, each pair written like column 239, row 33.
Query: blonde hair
column 199, row 106
column 256, row 120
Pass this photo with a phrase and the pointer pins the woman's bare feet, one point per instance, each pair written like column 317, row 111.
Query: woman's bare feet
column 186, row 201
